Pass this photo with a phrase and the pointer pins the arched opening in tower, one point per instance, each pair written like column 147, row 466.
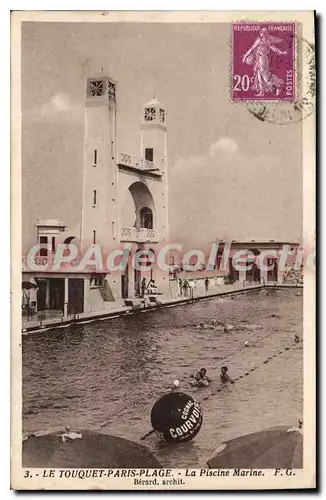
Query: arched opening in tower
column 146, row 218
column 139, row 211
column 68, row 240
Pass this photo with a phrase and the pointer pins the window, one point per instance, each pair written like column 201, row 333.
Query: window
column 111, row 90
column 150, row 114
column 53, row 244
column 43, row 241
column 95, row 88
column 96, row 281
column 95, row 158
column 162, row 115
column 94, row 197
column 146, row 218
column 149, row 154
column 94, row 236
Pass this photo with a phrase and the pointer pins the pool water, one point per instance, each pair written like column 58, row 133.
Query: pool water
column 106, row 375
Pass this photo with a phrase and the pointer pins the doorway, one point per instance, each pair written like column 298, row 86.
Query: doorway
column 50, row 294
column 75, row 295
column 234, row 273
column 57, row 293
column 272, row 273
column 41, row 294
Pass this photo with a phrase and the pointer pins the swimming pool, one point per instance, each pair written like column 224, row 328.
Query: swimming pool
column 107, row 375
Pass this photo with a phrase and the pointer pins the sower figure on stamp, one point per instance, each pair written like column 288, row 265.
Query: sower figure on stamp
column 264, row 79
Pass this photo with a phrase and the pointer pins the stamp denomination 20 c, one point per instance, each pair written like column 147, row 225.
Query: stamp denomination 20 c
column 263, row 61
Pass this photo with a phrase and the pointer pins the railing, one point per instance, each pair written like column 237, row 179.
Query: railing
column 44, row 261
column 147, row 165
column 126, row 160
column 56, row 223
column 39, row 261
column 140, row 235
column 130, row 161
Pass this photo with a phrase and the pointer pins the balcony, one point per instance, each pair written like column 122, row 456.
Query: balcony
column 139, row 235
column 39, row 261
column 48, row 261
column 125, row 160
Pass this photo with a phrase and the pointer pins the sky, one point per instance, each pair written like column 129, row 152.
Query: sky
column 231, row 176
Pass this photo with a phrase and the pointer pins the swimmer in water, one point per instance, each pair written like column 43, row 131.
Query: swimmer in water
column 202, row 375
column 175, row 385
column 296, row 338
column 218, row 325
column 201, row 379
column 204, row 326
column 225, row 376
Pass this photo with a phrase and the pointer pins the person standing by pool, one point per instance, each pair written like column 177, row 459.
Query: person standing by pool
column 191, row 289
column 185, row 287
column 180, row 283
column 143, row 287
column 206, row 284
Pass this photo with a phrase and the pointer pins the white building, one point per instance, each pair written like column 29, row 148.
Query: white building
column 124, row 201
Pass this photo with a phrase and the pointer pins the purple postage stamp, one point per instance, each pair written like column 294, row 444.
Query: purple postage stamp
column 263, row 61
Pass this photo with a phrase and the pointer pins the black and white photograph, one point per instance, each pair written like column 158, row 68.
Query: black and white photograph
column 163, row 250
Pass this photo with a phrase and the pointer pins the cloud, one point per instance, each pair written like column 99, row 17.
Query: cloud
column 58, row 103
column 59, row 107
column 224, row 145
column 230, row 194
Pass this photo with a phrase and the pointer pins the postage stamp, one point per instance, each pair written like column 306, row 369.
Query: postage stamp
column 263, row 61
column 304, row 104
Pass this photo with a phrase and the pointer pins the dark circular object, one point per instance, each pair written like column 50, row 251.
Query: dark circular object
column 176, row 417
column 89, row 450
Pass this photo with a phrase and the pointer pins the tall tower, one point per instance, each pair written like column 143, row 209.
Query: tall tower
column 100, row 212
column 154, row 149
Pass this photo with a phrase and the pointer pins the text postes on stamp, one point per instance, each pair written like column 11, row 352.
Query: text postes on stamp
column 263, row 61
column 304, row 104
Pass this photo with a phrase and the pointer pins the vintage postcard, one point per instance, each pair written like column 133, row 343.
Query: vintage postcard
column 163, row 250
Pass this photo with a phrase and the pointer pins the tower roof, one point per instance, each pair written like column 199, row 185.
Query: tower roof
column 154, row 102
